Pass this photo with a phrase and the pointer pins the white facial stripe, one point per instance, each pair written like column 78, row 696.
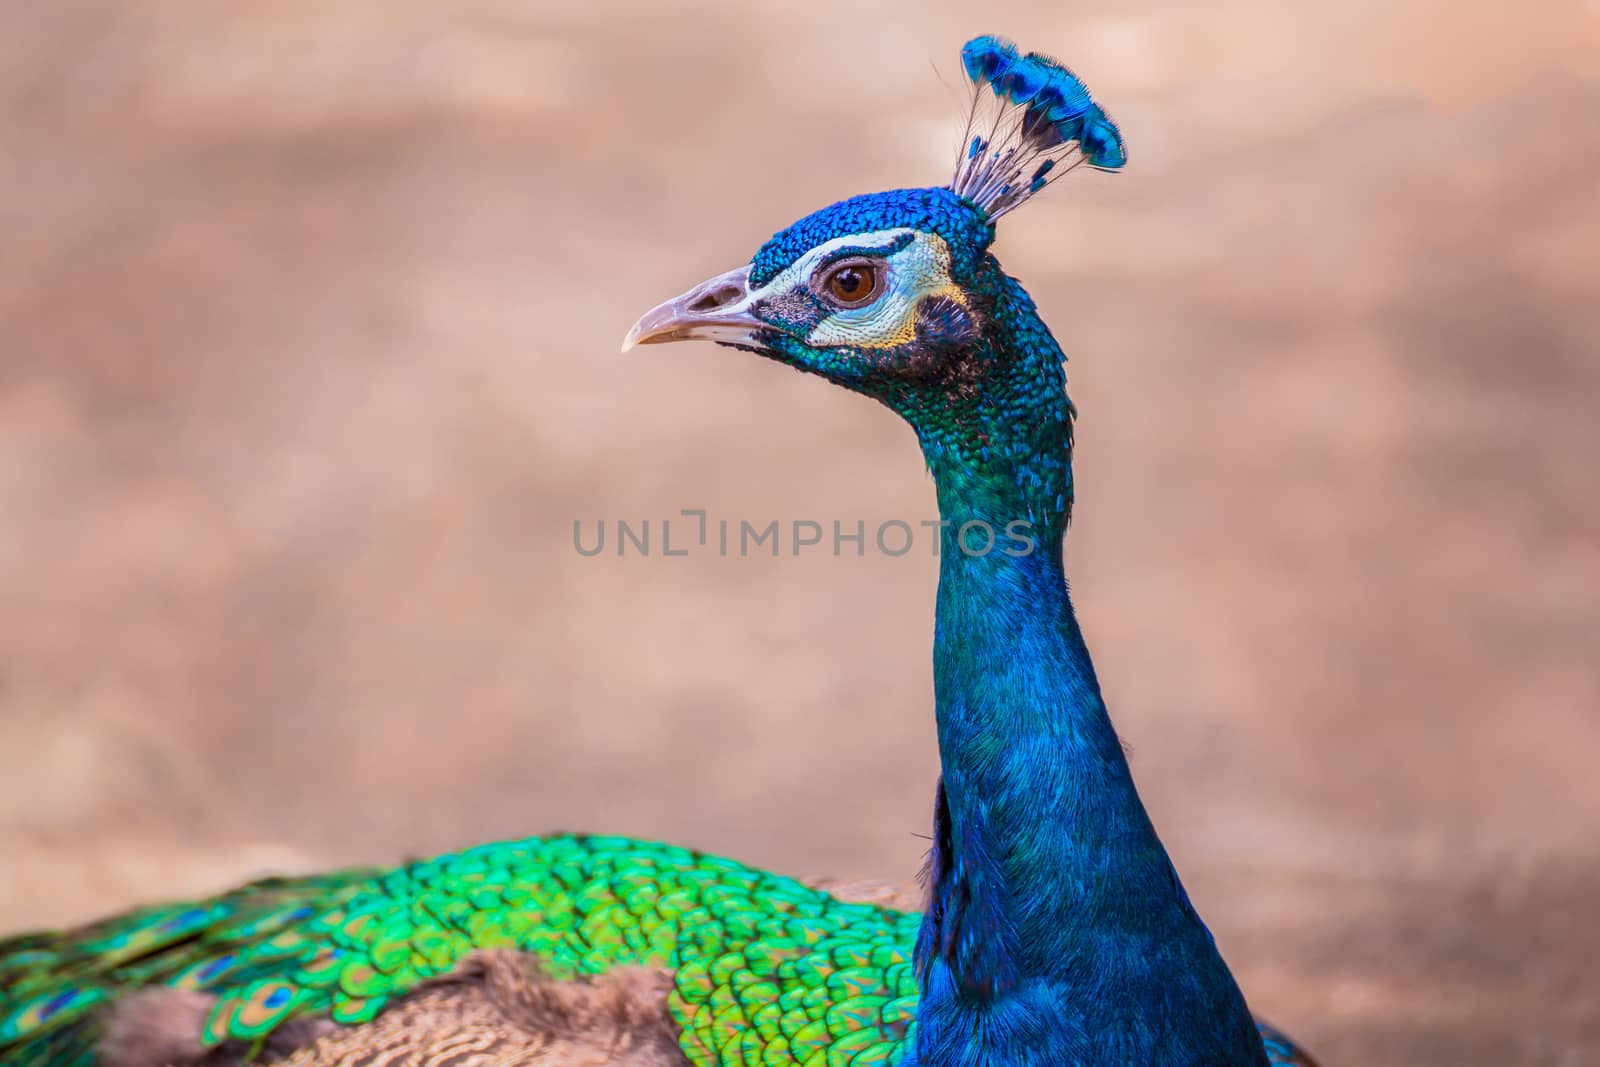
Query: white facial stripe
column 801, row 269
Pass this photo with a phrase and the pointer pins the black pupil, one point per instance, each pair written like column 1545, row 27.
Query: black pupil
column 849, row 282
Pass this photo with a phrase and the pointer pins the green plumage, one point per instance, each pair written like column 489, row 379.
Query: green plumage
column 768, row 970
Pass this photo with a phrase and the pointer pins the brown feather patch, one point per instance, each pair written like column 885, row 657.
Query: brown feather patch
column 155, row 1027
column 162, row 1028
column 496, row 1009
column 499, row 1009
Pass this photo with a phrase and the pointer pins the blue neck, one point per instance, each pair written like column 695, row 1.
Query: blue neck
column 1057, row 931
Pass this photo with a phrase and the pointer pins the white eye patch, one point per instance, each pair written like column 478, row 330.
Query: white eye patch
column 920, row 269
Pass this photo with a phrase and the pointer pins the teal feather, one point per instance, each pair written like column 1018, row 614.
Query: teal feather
column 1044, row 113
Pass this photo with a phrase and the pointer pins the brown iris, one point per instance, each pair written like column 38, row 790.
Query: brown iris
column 851, row 284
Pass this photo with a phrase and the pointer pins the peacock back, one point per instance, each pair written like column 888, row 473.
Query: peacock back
column 763, row 966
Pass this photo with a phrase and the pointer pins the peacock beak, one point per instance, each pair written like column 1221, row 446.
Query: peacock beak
column 717, row 309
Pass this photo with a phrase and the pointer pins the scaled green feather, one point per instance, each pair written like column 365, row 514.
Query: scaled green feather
column 768, row 970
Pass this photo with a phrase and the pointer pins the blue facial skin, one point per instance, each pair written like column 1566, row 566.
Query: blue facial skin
column 1057, row 932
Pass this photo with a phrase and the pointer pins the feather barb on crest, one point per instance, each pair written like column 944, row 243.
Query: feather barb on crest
column 1029, row 115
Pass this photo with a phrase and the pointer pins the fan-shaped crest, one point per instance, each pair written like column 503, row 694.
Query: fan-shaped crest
column 1030, row 115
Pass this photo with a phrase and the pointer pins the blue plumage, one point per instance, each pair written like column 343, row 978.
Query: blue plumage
column 966, row 232
column 1101, row 141
column 987, row 57
column 1041, row 109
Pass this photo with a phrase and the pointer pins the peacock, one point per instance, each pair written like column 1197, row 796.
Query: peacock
column 1054, row 930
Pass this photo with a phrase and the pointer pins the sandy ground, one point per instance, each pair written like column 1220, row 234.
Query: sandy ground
column 308, row 326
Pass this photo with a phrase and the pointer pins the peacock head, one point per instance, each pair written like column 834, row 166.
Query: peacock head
column 875, row 289
column 896, row 294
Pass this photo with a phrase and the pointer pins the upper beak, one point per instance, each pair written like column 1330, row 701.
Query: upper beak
column 717, row 309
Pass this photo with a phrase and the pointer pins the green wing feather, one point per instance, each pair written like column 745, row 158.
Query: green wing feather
column 768, row 970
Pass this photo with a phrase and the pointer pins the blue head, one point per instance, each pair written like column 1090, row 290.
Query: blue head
column 877, row 293
column 895, row 295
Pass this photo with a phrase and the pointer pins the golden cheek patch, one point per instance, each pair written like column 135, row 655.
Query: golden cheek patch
column 918, row 272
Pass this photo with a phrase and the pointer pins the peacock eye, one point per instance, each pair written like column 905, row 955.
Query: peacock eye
column 851, row 284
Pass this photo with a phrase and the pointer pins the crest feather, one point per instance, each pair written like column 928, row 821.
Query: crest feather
column 1042, row 115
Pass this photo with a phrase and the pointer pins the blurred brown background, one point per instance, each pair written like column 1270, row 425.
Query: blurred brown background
column 308, row 325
